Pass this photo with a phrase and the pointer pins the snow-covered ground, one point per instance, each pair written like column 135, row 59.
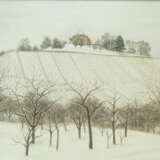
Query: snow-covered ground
column 138, row 146
column 85, row 49
column 131, row 76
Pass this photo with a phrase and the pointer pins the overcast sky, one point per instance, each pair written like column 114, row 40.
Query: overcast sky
column 133, row 20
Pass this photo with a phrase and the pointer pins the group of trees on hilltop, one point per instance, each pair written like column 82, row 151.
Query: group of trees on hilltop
column 55, row 43
column 115, row 43
column 46, row 43
column 140, row 47
column 80, row 40
column 106, row 41
column 25, row 45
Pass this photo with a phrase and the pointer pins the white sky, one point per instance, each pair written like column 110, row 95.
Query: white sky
column 133, row 20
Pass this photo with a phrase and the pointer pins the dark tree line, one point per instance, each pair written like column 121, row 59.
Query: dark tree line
column 81, row 111
column 47, row 42
column 34, row 108
column 109, row 42
column 140, row 47
column 106, row 41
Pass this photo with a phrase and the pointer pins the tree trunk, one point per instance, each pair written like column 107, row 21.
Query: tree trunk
column 57, row 130
column 89, row 129
column 79, row 132
column 57, row 143
column 121, row 139
column 50, row 138
column 126, row 129
column 42, row 124
column 135, row 118
column 108, row 137
column 22, row 124
column 114, row 132
column 27, row 150
column 114, row 123
column 33, row 135
column 9, row 116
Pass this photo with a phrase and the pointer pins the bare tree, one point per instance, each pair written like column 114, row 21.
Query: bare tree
column 51, row 130
column 126, row 121
column 114, row 116
column 121, row 137
column 149, row 116
column 57, row 130
column 134, row 113
column 86, row 101
column 33, row 105
column 57, row 119
column 100, row 119
column 124, row 118
column 8, row 107
column 77, row 114
column 64, row 117
column 27, row 139
column 109, row 135
column 2, row 95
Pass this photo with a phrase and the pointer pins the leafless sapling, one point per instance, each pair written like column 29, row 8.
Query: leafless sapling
column 113, row 110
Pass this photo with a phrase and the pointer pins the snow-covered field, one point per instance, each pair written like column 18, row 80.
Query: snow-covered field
column 138, row 146
column 130, row 75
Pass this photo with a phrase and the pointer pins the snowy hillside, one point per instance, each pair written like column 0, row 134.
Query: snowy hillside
column 129, row 75
column 138, row 146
